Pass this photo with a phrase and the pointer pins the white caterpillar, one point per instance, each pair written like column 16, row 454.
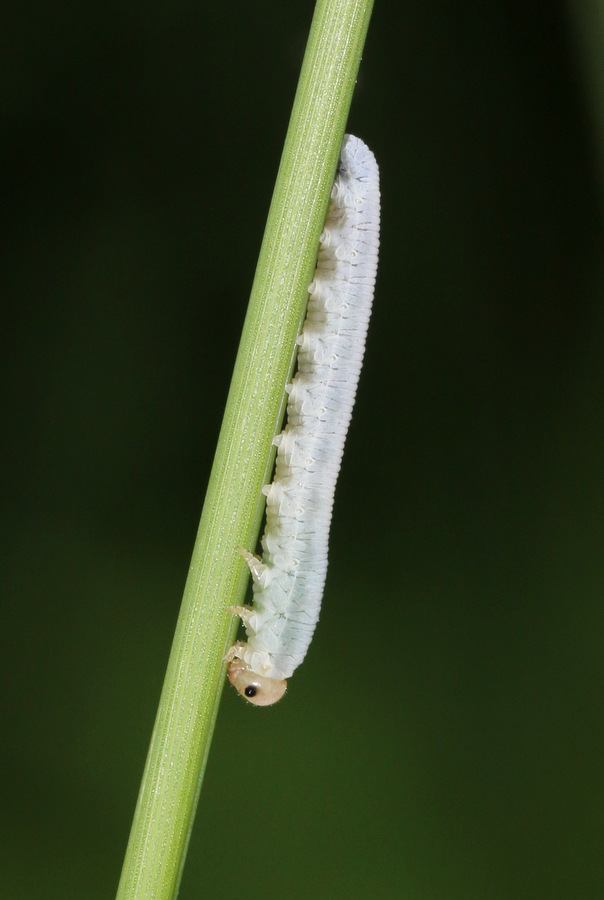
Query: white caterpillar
column 288, row 582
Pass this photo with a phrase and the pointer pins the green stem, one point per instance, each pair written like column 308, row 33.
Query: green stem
column 233, row 509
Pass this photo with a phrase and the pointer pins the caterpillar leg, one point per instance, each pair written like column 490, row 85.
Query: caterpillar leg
column 245, row 613
column 233, row 652
column 257, row 566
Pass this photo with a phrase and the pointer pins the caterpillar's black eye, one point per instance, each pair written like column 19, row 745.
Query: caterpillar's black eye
column 251, row 690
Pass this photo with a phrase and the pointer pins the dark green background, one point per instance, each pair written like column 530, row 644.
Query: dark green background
column 444, row 738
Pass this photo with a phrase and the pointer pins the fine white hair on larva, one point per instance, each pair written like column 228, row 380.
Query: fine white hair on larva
column 288, row 581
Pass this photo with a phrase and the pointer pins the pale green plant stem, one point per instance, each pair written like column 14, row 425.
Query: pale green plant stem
column 232, row 510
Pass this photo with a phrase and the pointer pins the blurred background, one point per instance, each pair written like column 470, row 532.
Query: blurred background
column 444, row 738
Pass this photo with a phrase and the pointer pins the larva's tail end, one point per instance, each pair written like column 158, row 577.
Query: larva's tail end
column 258, row 689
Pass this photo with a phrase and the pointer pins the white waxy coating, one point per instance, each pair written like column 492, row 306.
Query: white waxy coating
column 288, row 582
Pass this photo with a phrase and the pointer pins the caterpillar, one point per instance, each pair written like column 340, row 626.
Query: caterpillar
column 288, row 581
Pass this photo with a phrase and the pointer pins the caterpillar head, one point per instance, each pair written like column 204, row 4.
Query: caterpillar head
column 258, row 689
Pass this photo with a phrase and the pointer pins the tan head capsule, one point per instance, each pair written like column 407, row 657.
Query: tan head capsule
column 258, row 689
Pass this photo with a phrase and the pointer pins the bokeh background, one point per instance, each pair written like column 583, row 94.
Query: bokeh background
column 444, row 738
